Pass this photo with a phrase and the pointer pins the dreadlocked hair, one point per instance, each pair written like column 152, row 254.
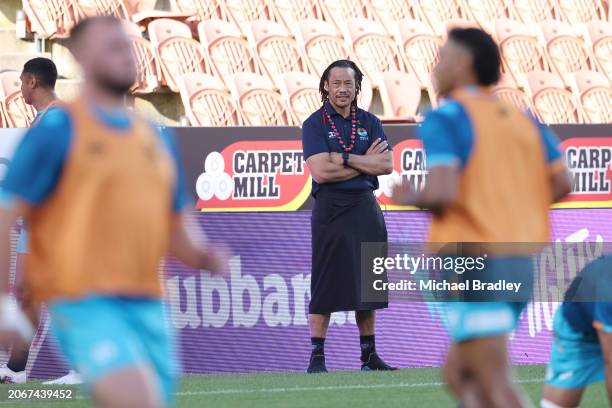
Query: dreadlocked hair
column 341, row 64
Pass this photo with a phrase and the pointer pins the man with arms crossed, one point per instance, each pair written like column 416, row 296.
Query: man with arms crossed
column 345, row 149
column 493, row 174
column 102, row 193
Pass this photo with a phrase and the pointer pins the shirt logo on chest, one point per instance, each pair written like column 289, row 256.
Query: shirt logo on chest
column 331, row 134
column 362, row 133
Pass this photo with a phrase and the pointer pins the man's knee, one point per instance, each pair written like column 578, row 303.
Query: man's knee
column 318, row 324
column 451, row 372
column 555, row 397
column 131, row 387
column 452, row 376
column 364, row 315
column 486, row 360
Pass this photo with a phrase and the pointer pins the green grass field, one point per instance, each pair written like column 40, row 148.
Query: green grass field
column 420, row 387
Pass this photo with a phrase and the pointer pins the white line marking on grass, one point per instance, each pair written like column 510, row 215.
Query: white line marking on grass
column 233, row 391
column 229, row 391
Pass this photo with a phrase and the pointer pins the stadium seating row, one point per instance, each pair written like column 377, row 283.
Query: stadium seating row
column 260, row 59
column 272, row 50
column 255, row 101
column 258, row 103
column 55, row 17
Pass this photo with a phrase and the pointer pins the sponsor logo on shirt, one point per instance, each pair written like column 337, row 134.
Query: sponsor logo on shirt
column 362, row 133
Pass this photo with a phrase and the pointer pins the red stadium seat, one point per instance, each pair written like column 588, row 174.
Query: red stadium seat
column 104, row 8
column 259, row 103
column 17, row 112
column 339, row 12
column 506, row 90
column 533, row 11
column 582, row 11
column 202, row 9
column 374, row 50
column 301, row 92
column 207, row 102
column 400, row 94
column 228, row 51
column 51, row 18
column 277, row 51
column 290, row 12
column 364, row 99
column 321, row 44
column 520, row 51
column 600, row 35
column 389, row 12
column 486, row 11
column 566, row 51
column 148, row 69
column 420, row 49
column 551, row 101
column 177, row 52
column 242, row 12
column 437, row 12
column 595, row 95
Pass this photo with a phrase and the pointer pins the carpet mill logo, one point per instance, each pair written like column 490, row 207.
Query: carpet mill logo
column 214, row 181
column 254, row 176
column 589, row 161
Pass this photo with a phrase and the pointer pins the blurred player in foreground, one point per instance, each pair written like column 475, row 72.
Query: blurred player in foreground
column 493, row 173
column 103, row 197
column 38, row 79
column 582, row 347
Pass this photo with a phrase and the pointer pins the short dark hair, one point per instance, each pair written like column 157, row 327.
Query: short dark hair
column 81, row 27
column 340, row 64
column 43, row 69
column 486, row 58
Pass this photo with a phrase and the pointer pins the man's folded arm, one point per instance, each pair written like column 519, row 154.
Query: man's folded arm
column 324, row 170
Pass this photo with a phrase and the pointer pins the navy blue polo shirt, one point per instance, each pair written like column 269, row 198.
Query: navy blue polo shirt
column 318, row 137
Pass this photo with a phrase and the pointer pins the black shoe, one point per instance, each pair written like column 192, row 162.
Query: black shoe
column 317, row 364
column 375, row 363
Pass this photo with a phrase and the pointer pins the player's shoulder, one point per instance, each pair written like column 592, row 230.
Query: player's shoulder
column 55, row 117
column 53, row 129
column 367, row 118
column 164, row 134
column 449, row 118
column 449, row 110
column 315, row 119
column 598, row 269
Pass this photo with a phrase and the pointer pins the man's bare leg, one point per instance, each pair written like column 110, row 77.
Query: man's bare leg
column 460, row 382
column 130, row 387
column 366, row 322
column 318, row 331
column 318, row 324
column 553, row 397
column 486, row 361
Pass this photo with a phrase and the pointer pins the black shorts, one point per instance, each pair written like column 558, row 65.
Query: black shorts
column 341, row 222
